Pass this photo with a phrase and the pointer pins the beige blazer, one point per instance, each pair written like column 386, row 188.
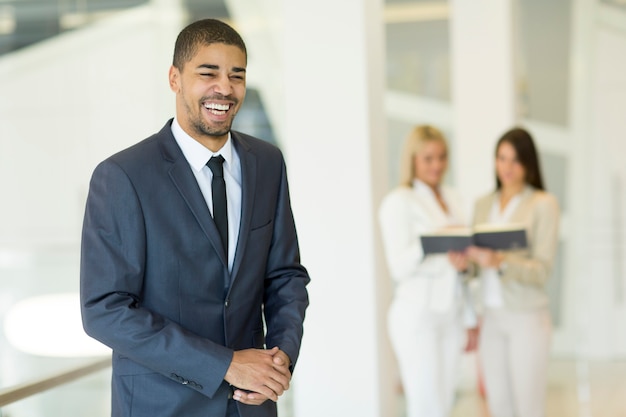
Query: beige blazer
column 429, row 283
column 525, row 272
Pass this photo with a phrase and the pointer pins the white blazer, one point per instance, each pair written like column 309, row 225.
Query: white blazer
column 406, row 213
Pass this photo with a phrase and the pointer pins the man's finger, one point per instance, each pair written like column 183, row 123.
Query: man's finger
column 249, row 398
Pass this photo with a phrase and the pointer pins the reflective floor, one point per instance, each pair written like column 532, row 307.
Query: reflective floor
column 575, row 389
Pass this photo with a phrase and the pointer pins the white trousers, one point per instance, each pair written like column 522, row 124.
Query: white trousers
column 428, row 348
column 514, row 352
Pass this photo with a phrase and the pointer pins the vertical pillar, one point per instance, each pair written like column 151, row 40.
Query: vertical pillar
column 483, row 91
column 336, row 155
column 601, row 157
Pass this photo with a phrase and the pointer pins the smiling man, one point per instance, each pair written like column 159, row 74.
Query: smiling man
column 190, row 267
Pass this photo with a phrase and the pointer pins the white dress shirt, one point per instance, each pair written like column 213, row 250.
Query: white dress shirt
column 492, row 287
column 197, row 155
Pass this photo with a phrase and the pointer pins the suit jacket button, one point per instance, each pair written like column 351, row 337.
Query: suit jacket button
column 226, row 303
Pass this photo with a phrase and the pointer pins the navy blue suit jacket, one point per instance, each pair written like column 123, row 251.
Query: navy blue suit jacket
column 153, row 271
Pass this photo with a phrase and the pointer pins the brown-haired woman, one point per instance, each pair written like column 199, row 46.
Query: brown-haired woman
column 425, row 320
column 516, row 326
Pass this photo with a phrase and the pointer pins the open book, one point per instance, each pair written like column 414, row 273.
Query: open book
column 496, row 237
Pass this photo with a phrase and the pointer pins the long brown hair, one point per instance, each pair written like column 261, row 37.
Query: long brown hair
column 414, row 143
column 524, row 146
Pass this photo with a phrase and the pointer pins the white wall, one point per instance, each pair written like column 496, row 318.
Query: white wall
column 69, row 102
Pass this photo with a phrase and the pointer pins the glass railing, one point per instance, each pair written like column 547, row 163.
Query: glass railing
column 43, row 349
column 79, row 391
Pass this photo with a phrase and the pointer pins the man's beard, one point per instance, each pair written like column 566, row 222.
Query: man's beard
column 200, row 126
column 202, row 129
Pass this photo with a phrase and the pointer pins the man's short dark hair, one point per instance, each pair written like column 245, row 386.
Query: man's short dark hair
column 204, row 32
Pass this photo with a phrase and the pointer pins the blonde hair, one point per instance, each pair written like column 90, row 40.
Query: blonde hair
column 417, row 138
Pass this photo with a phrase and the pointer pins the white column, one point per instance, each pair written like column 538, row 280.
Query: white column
column 599, row 183
column 336, row 155
column 483, row 95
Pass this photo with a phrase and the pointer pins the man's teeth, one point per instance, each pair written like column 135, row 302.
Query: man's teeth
column 217, row 108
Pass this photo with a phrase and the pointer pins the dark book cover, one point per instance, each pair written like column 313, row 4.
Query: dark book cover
column 501, row 240
column 459, row 239
column 445, row 242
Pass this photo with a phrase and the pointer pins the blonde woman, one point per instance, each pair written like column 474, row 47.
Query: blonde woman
column 425, row 320
column 516, row 325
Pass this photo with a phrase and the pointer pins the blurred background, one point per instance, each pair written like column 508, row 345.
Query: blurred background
column 337, row 85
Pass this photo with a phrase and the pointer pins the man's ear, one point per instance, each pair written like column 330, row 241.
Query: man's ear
column 174, row 78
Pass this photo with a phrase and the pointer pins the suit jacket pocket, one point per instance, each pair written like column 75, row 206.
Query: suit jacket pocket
column 260, row 239
column 262, row 225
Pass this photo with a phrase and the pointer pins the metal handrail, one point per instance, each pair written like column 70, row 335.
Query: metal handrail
column 21, row 391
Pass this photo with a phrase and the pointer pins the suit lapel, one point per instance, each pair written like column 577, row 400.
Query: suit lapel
column 187, row 186
column 248, row 190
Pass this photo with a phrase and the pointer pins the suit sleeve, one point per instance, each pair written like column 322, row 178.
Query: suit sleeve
column 286, row 297
column 112, row 271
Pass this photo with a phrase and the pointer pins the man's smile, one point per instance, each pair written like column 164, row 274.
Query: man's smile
column 217, row 108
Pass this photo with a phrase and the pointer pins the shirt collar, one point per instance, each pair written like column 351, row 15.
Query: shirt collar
column 422, row 188
column 195, row 153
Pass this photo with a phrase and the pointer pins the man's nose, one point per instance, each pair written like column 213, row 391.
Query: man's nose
column 223, row 85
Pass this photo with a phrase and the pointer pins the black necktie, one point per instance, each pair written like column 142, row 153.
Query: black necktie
column 218, row 188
